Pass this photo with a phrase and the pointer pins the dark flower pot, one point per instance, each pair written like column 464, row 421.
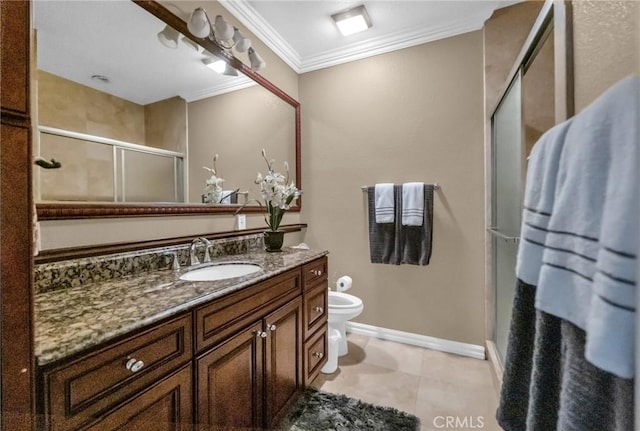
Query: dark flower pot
column 273, row 240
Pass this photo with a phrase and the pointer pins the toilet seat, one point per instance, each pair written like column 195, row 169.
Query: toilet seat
column 341, row 301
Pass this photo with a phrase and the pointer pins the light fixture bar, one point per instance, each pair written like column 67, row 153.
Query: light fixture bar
column 353, row 20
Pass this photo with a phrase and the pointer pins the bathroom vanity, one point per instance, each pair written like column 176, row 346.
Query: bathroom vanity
column 151, row 351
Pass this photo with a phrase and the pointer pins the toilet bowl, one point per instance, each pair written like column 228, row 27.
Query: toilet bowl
column 342, row 308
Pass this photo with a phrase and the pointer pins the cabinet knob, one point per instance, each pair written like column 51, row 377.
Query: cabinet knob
column 261, row 334
column 134, row 365
column 271, row 327
column 318, row 309
column 318, row 355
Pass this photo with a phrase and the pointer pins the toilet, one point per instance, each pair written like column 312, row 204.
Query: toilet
column 342, row 308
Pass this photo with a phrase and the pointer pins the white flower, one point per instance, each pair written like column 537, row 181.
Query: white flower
column 213, row 185
column 277, row 192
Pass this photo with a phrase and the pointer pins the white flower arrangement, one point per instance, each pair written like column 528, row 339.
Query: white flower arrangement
column 277, row 192
column 213, row 185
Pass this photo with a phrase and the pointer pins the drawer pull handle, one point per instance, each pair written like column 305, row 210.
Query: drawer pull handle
column 261, row 334
column 318, row 355
column 134, row 365
column 271, row 327
column 318, row 309
column 317, row 272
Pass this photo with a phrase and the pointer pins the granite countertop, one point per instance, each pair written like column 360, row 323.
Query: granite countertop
column 71, row 320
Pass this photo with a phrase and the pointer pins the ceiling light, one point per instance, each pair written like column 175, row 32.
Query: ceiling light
column 215, row 65
column 352, row 20
column 220, row 66
column 169, row 37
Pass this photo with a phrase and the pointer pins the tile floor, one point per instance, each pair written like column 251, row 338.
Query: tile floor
column 435, row 386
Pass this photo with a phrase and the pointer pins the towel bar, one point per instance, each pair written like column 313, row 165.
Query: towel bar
column 495, row 232
column 436, row 186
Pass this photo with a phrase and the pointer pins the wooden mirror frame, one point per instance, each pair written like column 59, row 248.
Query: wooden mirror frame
column 59, row 211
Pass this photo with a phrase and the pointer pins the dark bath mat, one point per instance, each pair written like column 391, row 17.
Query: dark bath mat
column 322, row 411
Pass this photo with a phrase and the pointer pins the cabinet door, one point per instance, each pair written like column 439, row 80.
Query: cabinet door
column 283, row 351
column 229, row 383
column 167, row 405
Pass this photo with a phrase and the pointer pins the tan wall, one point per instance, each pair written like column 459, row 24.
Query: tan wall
column 410, row 115
column 606, row 46
column 71, row 106
column 237, row 126
column 165, row 124
column 87, row 170
column 76, row 233
column 504, row 36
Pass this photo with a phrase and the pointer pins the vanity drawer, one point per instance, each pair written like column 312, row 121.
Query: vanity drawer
column 315, row 355
column 89, row 386
column 316, row 307
column 226, row 316
column 314, row 271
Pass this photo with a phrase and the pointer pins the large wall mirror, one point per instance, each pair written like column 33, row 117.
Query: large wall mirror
column 135, row 121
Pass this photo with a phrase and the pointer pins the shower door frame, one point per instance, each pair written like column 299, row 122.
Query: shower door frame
column 555, row 13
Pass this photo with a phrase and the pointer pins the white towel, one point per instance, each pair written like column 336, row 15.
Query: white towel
column 385, row 203
column 587, row 226
column 412, row 204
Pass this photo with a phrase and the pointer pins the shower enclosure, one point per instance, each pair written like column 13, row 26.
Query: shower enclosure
column 535, row 99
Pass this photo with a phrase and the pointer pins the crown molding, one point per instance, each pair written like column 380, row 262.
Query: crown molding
column 247, row 15
column 389, row 43
column 222, row 88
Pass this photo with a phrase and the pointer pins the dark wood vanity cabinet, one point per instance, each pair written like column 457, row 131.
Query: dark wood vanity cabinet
column 248, row 381
column 316, row 313
column 82, row 393
column 237, row 362
column 165, row 405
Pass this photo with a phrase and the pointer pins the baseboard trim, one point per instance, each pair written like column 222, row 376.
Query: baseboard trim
column 456, row 347
column 496, row 364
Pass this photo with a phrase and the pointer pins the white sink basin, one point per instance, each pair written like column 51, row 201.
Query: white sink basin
column 221, row 272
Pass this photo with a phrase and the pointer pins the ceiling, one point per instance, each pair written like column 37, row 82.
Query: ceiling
column 303, row 34
column 117, row 39
column 78, row 39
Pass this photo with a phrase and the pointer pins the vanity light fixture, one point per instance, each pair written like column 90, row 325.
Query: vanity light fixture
column 169, row 37
column 257, row 63
column 353, row 20
column 223, row 35
column 191, row 44
column 242, row 44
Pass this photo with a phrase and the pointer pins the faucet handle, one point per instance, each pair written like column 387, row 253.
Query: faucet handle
column 207, row 244
column 175, row 265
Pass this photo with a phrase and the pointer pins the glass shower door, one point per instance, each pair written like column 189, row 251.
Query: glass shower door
column 507, row 188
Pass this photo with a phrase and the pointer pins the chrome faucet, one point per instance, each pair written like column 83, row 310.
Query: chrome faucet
column 194, row 244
